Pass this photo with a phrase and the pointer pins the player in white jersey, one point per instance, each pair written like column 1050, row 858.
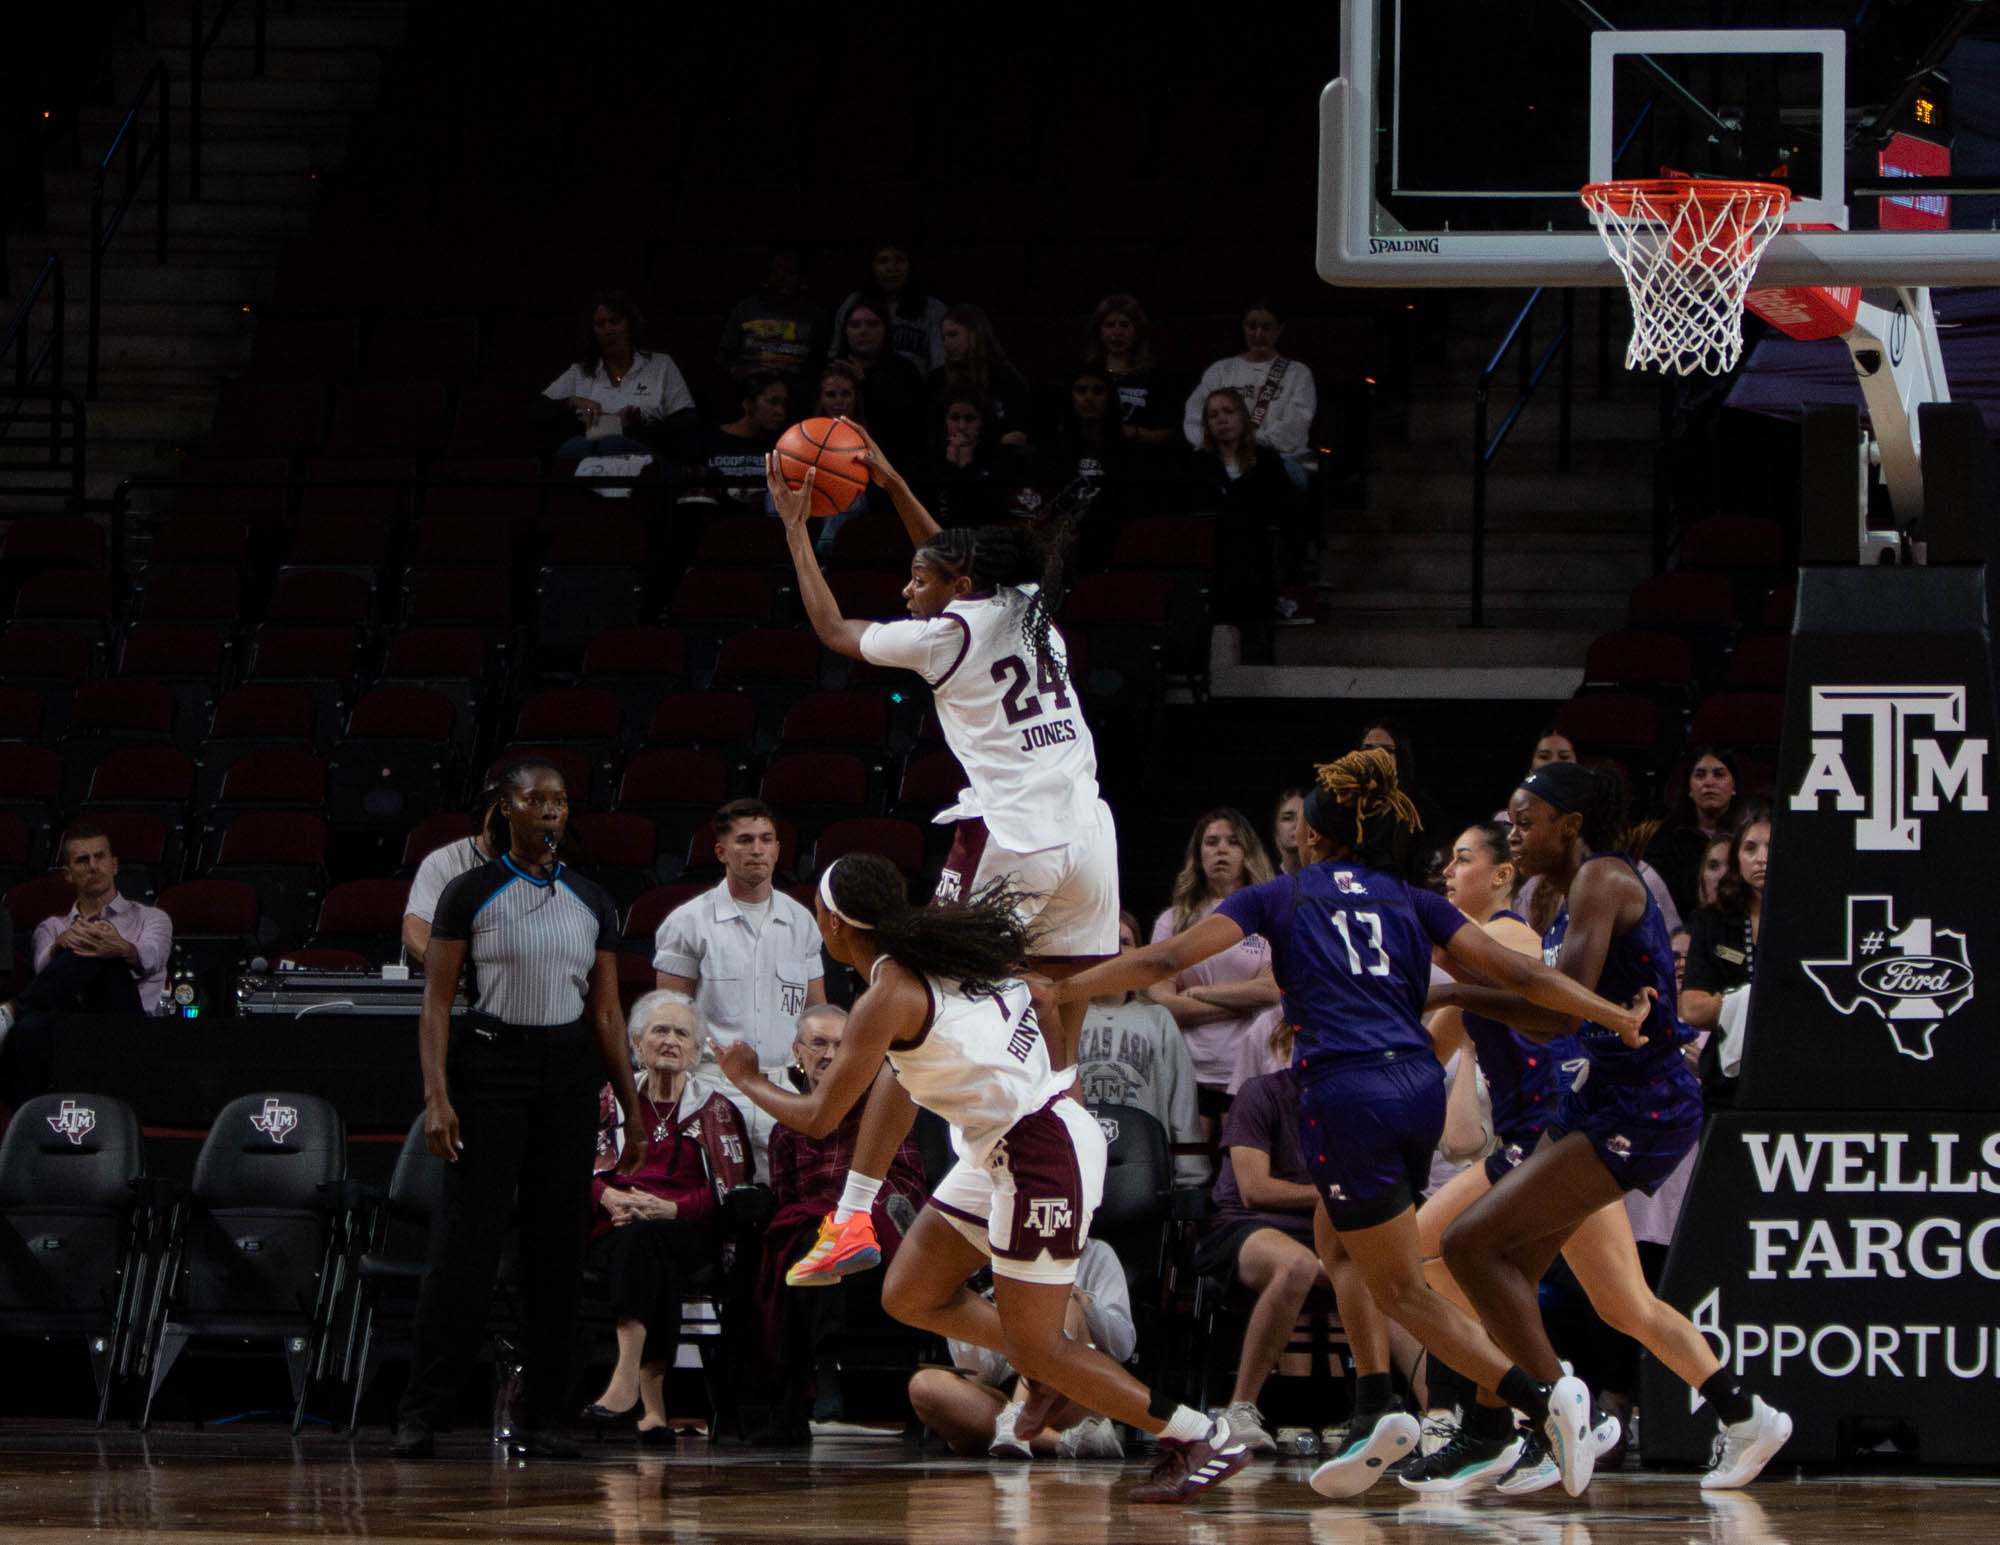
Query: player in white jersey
column 960, row 1035
column 981, row 631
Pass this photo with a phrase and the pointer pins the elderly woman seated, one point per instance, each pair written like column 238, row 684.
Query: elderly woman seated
column 657, row 1227
column 806, row 1326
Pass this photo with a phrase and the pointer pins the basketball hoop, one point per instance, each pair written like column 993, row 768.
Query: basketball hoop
column 1687, row 248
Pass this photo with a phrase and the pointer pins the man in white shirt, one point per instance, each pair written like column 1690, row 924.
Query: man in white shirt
column 105, row 955
column 746, row 953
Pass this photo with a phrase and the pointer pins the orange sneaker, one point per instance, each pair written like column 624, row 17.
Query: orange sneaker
column 840, row 1249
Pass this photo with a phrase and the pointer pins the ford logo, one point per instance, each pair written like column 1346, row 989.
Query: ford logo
column 1915, row 976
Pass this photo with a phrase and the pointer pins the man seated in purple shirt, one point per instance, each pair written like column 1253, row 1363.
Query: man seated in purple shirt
column 1261, row 1234
column 106, row 955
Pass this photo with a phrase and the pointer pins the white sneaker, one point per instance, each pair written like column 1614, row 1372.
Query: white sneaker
column 1439, row 1428
column 1605, row 1435
column 1568, row 1430
column 1247, row 1422
column 1092, row 1438
column 1005, row 1445
column 1367, row 1455
column 1534, row 1471
column 1744, row 1448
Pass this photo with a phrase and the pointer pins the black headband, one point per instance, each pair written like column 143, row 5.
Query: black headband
column 1317, row 810
column 1564, row 786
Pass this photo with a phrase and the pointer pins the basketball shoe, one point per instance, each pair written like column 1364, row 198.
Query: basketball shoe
column 1185, row 1470
column 1366, row 1446
column 1743, row 1448
column 840, row 1249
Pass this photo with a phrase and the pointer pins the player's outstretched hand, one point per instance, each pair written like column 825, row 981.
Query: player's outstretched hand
column 1631, row 1025
column 633, row 1153
column 737, row 1059
column 793, row 505
column 872, row 457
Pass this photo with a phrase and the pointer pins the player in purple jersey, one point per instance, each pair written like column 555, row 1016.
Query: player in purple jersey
column 1351, row 946
column 1626, row 1125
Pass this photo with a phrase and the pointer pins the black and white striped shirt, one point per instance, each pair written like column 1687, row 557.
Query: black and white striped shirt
column 532, row 941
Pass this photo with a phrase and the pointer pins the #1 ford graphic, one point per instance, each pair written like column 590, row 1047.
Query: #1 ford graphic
column 1914, row 977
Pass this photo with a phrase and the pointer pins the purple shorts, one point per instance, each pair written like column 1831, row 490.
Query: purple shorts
column 1369, row 1129
column 1640, row 1132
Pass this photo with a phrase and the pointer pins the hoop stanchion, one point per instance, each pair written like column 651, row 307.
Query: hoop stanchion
column 1688, row 249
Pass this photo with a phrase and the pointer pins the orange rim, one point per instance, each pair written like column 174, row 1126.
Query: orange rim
column 1621, row 197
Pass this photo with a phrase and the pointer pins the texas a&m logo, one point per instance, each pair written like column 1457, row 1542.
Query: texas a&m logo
column 275, row 1120
column 1907, row 775
column 1049, row 1216
column 73, row 1121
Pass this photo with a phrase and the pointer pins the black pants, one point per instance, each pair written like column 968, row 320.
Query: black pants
column 70, row 984
column 527, row 1115
column 648, row 1266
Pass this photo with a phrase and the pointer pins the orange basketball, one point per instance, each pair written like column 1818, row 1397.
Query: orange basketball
column 835, row 449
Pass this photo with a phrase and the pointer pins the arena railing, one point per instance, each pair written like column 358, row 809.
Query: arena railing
column 199, row 45
column 1486, row 449
column 38, row 377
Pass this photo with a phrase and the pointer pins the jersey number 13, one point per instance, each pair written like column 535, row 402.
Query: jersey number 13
column 1371, row 924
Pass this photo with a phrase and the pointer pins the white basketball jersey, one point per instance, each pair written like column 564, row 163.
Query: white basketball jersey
column 981, row 1063
column 1016, row 729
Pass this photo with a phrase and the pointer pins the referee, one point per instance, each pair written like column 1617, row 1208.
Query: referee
column 511, row 1102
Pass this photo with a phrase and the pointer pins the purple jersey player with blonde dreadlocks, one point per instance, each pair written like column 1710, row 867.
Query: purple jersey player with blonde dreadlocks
column 981, row 632
column 1351, row 946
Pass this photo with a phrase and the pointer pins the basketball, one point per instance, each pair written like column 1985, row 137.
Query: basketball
column 835, row 449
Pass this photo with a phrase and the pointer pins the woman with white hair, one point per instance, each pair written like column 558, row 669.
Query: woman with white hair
column 656, row 1228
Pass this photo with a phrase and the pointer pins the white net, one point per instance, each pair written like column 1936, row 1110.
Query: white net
column 1688, row 251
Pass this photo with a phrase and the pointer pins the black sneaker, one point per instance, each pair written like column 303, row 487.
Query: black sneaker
column 1536, row 1469
column 1464, row 1461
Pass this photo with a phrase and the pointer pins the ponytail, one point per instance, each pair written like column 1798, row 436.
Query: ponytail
column 994, row 556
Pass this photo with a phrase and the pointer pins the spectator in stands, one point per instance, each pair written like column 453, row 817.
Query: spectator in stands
column 915, row 320
column 1278, row 391
column 745, row 952
column 1416, row 852
column 807, row 1326
column 839, row 393
column 733, row 453
column 1262, row 513
column 1230, row 996
column 105, row 955
column 1722, row 954
column 973, row 478
column 892, row 392
column 1121, row 345
column 626, row 399
column 1552, row 745
column 1707, row 806
column 1260, row 1236
column 1714, row 865
column 441, row 866
column 1087, row 461
column 975, row 361
column 969, row 1406
column 1285, row 829
column 1130, row 1052
column 656, row 1229
column 779, row 330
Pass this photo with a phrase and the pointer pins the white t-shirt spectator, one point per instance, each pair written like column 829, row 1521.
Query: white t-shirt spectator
column 654, row 385
column 1286, row 424
column 440, row 867
column 1133, row 1053
column 751, row 972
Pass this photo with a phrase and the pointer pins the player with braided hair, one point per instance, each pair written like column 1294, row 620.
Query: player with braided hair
column 981, row 633
column 1627, row 1125
column 959, row 1032
column 1351, row 946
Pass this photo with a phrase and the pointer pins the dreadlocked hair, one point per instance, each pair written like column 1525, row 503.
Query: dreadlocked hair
column 1014, row 555
column 977, row 943
column 1364, row 782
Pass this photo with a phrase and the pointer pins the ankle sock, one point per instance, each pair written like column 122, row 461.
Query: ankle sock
column 1728, row 1402
column 1528, row 1396
column 858, row 1195
column 1448, row 1387
column 1489, row 1422
column 1373, row 1392
column 1187, row 1425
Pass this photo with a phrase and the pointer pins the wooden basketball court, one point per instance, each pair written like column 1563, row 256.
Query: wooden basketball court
column 72, row 1484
